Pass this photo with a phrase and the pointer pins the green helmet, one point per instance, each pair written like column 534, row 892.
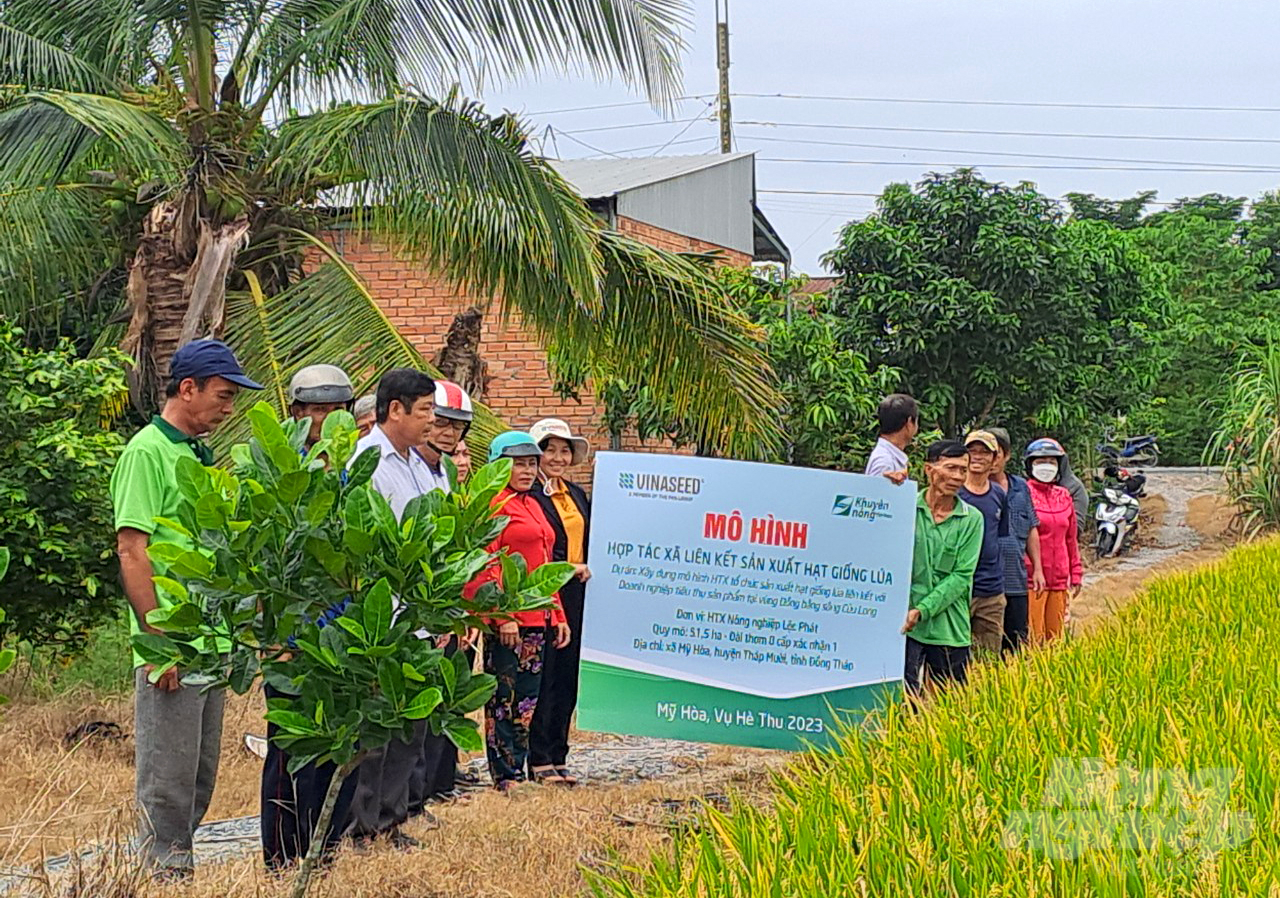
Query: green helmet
column 513, row 444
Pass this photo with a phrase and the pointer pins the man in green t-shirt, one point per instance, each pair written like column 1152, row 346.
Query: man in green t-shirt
column 177, row 723
column 948, row 540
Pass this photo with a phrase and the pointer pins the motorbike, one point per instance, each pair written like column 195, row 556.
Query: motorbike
column 1117, row 522
column 1133, row 484
column 1143, row 450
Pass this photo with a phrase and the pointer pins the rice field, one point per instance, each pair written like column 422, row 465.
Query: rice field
column 1142, row 760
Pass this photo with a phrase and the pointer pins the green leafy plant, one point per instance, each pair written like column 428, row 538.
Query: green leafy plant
column 994, row 309
column 55, row 512
column 303, row 576
column 1247, row 441
column 7, row 656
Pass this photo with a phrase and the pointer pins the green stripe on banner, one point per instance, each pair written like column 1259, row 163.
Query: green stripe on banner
column 615, row 700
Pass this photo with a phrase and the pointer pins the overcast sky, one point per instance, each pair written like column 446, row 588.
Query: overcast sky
column 1176, row 53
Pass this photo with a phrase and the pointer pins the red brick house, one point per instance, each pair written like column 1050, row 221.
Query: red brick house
column 678, row 203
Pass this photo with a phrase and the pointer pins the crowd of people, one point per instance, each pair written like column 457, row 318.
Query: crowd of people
column 413, row 422
column 995, row 565
column 996, row 559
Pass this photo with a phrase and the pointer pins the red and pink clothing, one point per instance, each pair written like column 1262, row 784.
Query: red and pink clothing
column 1059, row 547
column 529, row 535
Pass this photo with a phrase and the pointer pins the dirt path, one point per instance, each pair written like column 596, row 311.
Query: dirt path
column 1188, row 520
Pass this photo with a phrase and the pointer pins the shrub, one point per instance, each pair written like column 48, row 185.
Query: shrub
column 55, row 512
column 1247, row 441
column 970, row 798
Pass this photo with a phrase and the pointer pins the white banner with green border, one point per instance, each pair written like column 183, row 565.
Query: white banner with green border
column 741, row 603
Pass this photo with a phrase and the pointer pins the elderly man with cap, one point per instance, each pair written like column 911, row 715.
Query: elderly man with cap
column 986, row 607
column 453, row 416
column 568, row 510
column 291, row 802
column 317, row 390
column 177, row 723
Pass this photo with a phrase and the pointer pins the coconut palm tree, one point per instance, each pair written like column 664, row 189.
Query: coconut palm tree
column 190, row 157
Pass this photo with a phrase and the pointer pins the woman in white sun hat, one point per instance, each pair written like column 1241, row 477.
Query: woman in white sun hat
column 568, row 510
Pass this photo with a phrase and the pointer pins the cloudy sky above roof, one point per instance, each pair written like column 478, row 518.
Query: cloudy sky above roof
column 1085, row 55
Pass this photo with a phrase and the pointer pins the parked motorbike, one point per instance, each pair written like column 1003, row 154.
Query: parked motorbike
column 1143, row 450
column 1117, row 522
column 1133, row 484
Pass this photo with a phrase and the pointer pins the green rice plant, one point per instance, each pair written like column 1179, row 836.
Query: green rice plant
column 1140, row 760
column 1247, row 441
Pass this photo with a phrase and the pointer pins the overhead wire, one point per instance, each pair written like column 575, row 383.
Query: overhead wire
column 1027, row 166
column 884, row 146
column 978, row 132
column 1018, row 103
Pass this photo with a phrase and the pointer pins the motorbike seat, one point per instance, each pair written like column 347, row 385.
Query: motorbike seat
column 1145, row 438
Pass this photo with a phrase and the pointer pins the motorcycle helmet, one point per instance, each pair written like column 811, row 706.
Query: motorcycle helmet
column 321, row 384
column 513, row 444
column 1045, row 447
column 453, row 403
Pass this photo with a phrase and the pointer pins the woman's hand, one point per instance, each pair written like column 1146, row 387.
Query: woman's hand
column 582, row 572
column 563, row 635
column 470, row 638
column 509, row 634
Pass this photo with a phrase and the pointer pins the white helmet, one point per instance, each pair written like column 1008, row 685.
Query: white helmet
column 453, row 402
column 321, row 383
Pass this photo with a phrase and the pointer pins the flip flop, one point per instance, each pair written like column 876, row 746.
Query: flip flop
column 566, row 777
column 547, row 776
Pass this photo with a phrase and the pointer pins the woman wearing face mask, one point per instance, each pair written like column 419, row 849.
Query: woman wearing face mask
column 569, row 512
column 1059, row 547
column 514, row 652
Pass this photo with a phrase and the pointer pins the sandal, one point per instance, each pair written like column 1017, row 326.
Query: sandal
column 566, row 777
column 547, row 776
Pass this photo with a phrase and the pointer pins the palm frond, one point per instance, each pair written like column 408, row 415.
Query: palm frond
column 44, row 133
column 309, row 49
column 38, row 63
column 667, row 326
column 451, row 186
column 328, row 317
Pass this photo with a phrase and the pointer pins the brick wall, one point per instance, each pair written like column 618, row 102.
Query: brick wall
column 422, row 305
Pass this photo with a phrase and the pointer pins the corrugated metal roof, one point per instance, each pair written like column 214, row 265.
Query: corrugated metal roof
column 601, row 178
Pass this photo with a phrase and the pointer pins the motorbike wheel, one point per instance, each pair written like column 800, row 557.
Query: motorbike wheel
column 1147, row 458
column 1106, row 543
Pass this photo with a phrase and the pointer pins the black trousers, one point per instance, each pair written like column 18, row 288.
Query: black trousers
column 549, row 733
column 437, row 768
column 291, row 804
column 945, row 664
column 1015, row 622
column 381, row 801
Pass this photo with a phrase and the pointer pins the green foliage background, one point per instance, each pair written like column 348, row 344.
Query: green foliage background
column 55, row 514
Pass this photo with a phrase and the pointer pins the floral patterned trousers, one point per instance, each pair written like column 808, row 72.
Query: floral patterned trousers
column 508, row 714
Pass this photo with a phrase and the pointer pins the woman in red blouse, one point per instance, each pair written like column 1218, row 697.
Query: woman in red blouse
column 514, row 653
column 1059, row 548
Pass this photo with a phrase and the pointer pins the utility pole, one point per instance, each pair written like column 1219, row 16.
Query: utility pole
column 722, row 64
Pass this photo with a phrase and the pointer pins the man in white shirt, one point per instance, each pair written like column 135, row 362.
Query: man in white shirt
column 404, row 415
column 899, row 423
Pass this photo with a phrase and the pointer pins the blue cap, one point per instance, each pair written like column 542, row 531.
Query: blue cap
column 209, row 358
column 513, row 444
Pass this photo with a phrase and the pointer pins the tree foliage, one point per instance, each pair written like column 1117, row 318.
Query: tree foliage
column 995, row 309
column 55, row 512
column 187, row 160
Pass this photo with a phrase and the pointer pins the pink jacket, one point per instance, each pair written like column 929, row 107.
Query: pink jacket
column 1059, row 549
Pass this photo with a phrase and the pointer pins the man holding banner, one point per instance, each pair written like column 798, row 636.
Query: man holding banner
column 948, row 541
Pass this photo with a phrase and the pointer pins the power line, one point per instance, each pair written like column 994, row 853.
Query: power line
column 884, row 146
column 982, row 133
column 791, row 191
column 1022, row 166
column 683, row 130
column 613, row 105
column 933, row 102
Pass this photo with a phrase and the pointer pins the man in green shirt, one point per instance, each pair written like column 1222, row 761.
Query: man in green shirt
column 177, row 723
column 948, row 541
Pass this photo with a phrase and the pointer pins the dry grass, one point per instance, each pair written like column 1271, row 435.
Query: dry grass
column 54, row 801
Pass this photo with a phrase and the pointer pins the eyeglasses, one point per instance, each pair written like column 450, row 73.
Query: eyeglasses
column 449, row 423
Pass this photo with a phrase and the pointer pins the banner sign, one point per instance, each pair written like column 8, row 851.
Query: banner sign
column 742, row 603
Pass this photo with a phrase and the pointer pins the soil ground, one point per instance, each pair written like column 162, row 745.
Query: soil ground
column 56, row 800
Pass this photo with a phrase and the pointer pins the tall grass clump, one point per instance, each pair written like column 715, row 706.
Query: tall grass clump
column 1140, row 760
column 1247, row 441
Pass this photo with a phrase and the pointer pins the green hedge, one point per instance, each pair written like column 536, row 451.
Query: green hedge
column 978, row 796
